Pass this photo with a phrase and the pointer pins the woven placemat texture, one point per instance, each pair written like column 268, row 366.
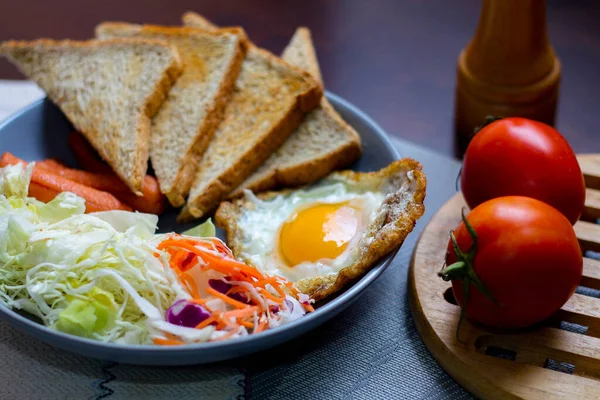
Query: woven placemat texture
column 30, row 369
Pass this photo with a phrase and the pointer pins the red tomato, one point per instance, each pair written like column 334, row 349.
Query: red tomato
column 527, row 257
column 521, row 157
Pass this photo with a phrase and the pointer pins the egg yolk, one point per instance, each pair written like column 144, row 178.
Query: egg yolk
column 320, row 231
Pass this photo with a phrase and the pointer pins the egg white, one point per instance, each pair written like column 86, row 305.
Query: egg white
column 260, row 226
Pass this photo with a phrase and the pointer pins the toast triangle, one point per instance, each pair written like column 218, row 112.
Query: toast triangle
column 323, row 142
column 108, row 89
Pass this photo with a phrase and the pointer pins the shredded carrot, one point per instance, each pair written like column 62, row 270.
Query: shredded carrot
column 290, row 285
column 187, row 262
column 269, row 296
column 222, row 248
column 308, row 307
column 273, row 282
column 237, row 289
column 181, row 244
column 216, row 242
column 229, row 264
column 233, row 264
column 202, row 302
column 168, row 342
column 261, row 326
column 222, row 325
column 206, row 322
column 189, row 282
column 266, row 281
column 236, row 275
column 212, row 254
column 247, row 324
column 246, row 312
column 292, row 289
column 224, row 322
column 177, row 258
column 226, row 299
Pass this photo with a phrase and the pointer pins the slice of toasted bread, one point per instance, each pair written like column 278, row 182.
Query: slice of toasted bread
column 401, row 186
column 301, row 53
column 108, row 89
column 269, row 102
column 191, row 18
column 187, row 120
column 322, row 143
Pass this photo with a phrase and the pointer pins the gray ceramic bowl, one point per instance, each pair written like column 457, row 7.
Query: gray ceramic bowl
column 40, row 131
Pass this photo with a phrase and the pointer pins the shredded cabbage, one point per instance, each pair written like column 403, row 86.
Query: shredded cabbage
column 14, row 180
column 93, row 275
column 85, row 317
column 103, row 276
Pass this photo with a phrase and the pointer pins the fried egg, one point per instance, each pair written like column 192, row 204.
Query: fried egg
column 307, row 233
column 321, row 236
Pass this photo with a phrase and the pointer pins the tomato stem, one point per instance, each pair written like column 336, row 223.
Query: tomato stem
column 452, row 270
column 463, row 270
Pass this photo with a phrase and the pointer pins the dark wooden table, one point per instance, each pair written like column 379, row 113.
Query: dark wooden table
column 395, row 59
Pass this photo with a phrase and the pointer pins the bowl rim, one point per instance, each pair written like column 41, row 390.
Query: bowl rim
column 346, row 296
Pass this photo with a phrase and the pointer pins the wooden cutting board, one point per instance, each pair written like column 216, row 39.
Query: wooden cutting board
column 560, row 359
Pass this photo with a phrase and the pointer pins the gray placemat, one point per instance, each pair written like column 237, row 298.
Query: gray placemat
column 371, row 350
column 30, row 369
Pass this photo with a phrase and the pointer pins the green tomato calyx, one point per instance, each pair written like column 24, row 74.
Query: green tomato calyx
column 463, row 270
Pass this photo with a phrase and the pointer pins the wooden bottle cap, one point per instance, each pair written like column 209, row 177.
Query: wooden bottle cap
column 509, row 68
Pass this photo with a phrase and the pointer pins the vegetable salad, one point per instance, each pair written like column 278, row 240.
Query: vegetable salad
column 109, row 277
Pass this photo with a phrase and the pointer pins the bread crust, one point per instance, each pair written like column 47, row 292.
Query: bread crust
column 388, row 231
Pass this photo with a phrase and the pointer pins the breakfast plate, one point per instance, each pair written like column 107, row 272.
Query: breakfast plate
column 40, row 131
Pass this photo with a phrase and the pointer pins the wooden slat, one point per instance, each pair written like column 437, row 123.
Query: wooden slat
column 590, row 166
column 588, row 235
column 549, row 343
column 591, row 273
column 582, row 310
column 523, row 381
column 591, row 212
column 506, row 379
column 584, row 305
